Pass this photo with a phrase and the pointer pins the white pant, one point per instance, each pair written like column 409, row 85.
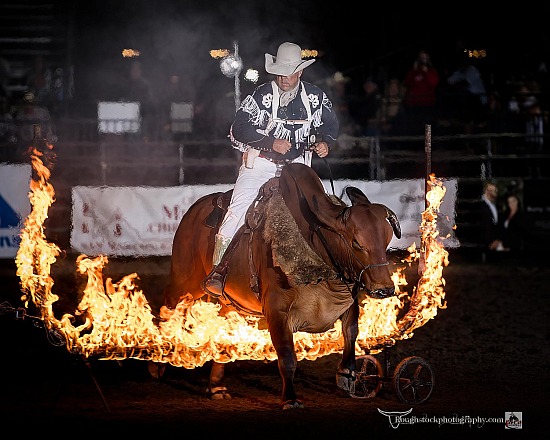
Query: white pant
column 245, row 191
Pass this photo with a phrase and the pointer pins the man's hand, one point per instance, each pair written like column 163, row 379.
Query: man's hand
column 321, row 148
column 281, row 146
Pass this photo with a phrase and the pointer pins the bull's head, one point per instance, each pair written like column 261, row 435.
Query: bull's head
column 359, row 234
column 366, row 230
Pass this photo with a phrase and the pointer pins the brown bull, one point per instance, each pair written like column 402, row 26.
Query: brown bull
column 300, row 267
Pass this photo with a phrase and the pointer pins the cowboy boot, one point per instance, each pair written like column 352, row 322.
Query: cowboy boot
column 214, row 282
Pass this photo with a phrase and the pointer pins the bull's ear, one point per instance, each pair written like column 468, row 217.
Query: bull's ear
column 357, row 196
column 326, row 211
column 301, row 185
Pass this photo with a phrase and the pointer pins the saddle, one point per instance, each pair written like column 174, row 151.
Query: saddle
column 289, row 249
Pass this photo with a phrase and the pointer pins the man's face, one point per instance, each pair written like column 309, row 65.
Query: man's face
column 423, row 58
column 491, row 193
column 287, row 83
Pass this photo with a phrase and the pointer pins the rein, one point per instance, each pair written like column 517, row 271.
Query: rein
column 330, row 175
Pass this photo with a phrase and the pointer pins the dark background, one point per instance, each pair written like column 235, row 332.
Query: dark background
column 355, row 38
column 380, row 39
column 488, row 349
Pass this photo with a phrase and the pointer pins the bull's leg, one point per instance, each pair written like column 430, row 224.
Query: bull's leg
column 216, row 390
column 283, row 342
column 345, row 376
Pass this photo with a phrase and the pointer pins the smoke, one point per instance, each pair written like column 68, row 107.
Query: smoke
column 177, row 36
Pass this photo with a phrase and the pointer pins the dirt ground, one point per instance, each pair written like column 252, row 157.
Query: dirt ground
column 489, row 352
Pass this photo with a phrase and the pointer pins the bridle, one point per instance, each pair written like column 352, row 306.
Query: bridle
column 356, row 280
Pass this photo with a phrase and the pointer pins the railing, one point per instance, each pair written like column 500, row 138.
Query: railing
column 469, row 157
column 84, row 156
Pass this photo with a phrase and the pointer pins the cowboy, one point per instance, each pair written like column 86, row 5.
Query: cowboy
column 282, row 121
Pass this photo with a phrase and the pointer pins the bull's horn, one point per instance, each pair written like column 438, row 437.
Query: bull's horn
column 394, row 222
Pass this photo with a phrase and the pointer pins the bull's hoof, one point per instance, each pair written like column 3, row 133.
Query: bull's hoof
column 218, row 393
column 292, row 404
column 346, row 381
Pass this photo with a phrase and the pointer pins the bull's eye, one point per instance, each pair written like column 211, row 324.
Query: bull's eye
column 356, row 245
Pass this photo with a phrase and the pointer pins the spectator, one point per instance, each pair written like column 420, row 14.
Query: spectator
column 39, row 81
column 391, row 108
column 499, row 120
column 31, row 113
column 467, row 95
column 534, row 129
column 419, row 102
column 529, row 119
column 176, row 107
column 512, row 224
column 138, row 89
column 366, row 109
column 214, row 107
column 497, row 115
column 8, row 129
column 4, row 80
column 531, row 112
column 338, row 84
column 489, row 233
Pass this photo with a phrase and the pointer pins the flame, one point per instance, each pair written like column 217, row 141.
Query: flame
column 115, row 321
column 36, row 255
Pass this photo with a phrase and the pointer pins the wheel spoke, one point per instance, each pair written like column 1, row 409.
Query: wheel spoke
column 368, row 377
column 413, row 380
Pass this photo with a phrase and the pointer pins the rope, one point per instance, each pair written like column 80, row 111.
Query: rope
column 53, row 335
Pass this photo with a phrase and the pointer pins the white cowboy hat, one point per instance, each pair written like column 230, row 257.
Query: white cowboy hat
column 288, row 60
column 337, row 78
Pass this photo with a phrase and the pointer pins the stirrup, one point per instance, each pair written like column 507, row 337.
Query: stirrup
column 213, row 284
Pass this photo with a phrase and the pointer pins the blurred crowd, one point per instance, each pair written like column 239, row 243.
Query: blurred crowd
column 454, row 101
column 457, row 98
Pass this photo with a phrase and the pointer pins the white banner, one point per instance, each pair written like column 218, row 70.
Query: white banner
column 142, row 221
column 407, row 199
column 131, row 221
column 14, row 206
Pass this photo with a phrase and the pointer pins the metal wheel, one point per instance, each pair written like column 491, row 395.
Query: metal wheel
column 413, row 380
column 369, row 376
